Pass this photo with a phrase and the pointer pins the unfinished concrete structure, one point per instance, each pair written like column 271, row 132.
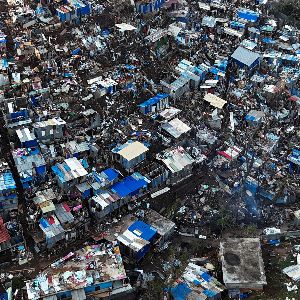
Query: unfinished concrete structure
column 242, row 264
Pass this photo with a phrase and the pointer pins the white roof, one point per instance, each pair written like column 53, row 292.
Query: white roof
column 293, row 272
column 176, row 159
column 245, row 56
column 204, row 6
column 160, row 192
column 100, row 201
column 174, row 30
column 169, row 112
column 233, row 32
column 215, row 100
column 133, row 150
column 107, row 82
column 248, row 44
column 94, row 80
column 76, row 167
column 125, row 27
column 156, row 35
column 270, row 88
column 50, row 122
column 10, row 107
column 129, row 239
column 176, row 127
column 25, row 135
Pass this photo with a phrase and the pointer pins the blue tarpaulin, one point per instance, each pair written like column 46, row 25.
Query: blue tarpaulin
column 130, row 67
column 3, row 296
column 19, row 115
column 68, row 75
column 85, row 164
column 237, row 25
column 106, row 285
column 268, row 40
column 39, row 10
column 44, row 223
column 294, row 159
column 248, row 15
column 34, row 101
column 111, row 174
column 76, row 51
column 181, row 291
column 4, row 63
column 143, row 230
column 150, row 7
column 274, row 242
column 7, row 181
column 250, row 118
column 244, row 295
column 130, row 185
column 41, row 170
column 154, row 100
column 289, row 57
column 206, row 277
column 209, row 293
column 105, row 32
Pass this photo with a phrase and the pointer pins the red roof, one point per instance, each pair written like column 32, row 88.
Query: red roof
column 66, row 207
column 294, row 98
column 4, row 235
column 224, row 154
column 51, row 220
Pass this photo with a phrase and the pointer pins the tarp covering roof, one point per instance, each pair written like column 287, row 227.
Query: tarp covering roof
column 197, row 284
column 248, row 15
column 137, row 236
column 111, row 174
column 143, row 230
column 181, row 291
column 70, row 169
column 130, row 184
column 7, row 181
column 294, row 157
column 154, row 100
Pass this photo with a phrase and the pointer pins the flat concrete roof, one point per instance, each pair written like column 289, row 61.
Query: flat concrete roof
column 242, row 262
column 159, row 222
column 133, row 150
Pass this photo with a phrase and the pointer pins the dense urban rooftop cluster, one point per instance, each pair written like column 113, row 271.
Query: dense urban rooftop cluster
column 130, row 128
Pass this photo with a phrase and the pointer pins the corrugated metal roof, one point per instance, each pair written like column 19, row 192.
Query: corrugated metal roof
column 176, row 159
column 7, row 181
column 176, row 127
column 78, row 294
column 62, row 215
column 70, row 169
column 245, row 56
column 154, row 100
column 4, row 234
